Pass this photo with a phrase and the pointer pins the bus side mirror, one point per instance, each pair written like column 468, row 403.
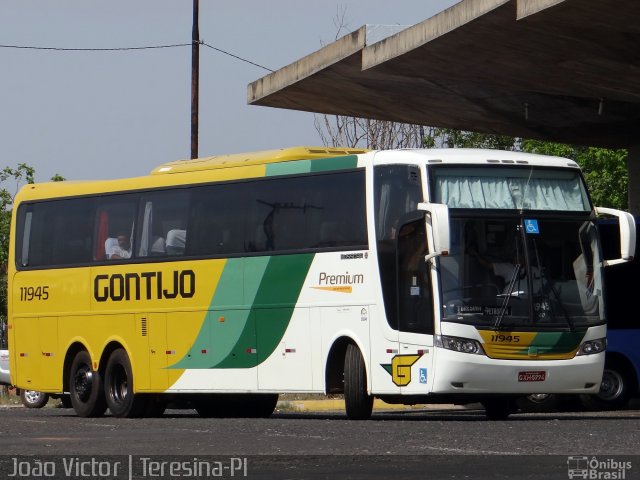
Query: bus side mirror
column 437, row 217
column 627, row 234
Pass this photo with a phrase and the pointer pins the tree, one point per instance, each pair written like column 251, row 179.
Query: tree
column 340, row 130
column 605, row 170
column 354, row 132
column 450, row 138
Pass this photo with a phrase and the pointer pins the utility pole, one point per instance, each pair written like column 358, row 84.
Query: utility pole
column 195, row 78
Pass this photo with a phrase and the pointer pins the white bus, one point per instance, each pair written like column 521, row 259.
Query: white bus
column 413, row 276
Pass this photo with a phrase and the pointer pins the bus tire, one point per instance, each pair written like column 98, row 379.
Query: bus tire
column 210, row 405
column 118, row 387
column 616, row 389
column 33, row 398
column 539, row 403
column 358, row 403
column 260, row 405
column 85, row 387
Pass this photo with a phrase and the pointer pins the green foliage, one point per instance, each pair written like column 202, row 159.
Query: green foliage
column 450, row 138
column 605, row 170
column 57, row 178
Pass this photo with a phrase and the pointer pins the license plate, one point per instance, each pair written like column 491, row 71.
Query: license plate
column 534, row 376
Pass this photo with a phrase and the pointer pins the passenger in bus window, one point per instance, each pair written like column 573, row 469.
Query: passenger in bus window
column 118, row 249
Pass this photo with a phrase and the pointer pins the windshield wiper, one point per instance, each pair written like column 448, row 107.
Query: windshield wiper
column 507, row 296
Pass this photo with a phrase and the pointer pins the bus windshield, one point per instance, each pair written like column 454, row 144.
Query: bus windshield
column 522, row 272
column 513, row 188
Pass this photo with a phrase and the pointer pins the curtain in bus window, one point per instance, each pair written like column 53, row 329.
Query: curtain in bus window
column 164, row 224
column 118, row 214
column 383, row 211
column 103, row 233
column 145, row 236
column 510, row 193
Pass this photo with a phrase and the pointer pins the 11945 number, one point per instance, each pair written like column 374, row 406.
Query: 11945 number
column 27, row 294
column 505, row 338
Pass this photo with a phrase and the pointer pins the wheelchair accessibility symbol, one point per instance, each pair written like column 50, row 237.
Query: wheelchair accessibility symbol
column 423, row 375
column 531, row 227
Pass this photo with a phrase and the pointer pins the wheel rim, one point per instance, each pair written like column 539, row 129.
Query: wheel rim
column 32, row 396
column 118, row 384
column 612, row 385
column 83, row 382
column 539, row 397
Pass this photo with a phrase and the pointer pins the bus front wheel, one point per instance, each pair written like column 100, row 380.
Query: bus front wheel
column 498, row 408
column 85, row 387
column 616, row 389
column 358, row 402
column 118, row 386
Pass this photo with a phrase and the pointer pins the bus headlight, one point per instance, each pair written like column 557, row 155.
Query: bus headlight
column 462, row 345
column 593, row 346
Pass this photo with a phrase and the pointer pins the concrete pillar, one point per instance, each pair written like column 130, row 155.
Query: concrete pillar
column 633, row 168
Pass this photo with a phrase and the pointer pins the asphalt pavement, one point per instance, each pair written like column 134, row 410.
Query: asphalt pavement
column 408, row 443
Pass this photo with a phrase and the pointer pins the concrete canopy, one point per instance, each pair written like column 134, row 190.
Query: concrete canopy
column 563, row 70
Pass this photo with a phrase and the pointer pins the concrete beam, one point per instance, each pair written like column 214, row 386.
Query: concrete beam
column 308, row 66
column 427, row 31
column 531, row 7
column 562, row 70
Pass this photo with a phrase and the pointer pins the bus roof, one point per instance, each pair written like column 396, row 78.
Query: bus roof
column 472, row 156
column 252, row 164
column 253, row 158
column 247, row 165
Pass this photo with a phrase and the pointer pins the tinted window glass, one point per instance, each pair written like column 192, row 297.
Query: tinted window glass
column 218, row 215
column 163, row 224
column 60, row 233
column 280, row 214
column 115, row 222
column 397, row 192
column 265, row 215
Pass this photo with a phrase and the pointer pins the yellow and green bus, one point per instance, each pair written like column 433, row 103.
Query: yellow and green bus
column 413, row 276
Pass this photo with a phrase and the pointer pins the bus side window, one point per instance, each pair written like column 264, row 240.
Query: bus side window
column 60, row 233
column 161, row 214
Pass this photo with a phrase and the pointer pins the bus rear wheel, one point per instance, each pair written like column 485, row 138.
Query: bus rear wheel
column 118, row 386
column 358, row 403
column 85, row 387
column 33, row 398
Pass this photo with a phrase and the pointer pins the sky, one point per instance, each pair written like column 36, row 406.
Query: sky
column 105, row 115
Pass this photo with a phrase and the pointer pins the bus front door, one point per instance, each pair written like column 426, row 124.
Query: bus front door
column 415, row 310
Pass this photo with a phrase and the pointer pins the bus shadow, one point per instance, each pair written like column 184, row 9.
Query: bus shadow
column 462, row 416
